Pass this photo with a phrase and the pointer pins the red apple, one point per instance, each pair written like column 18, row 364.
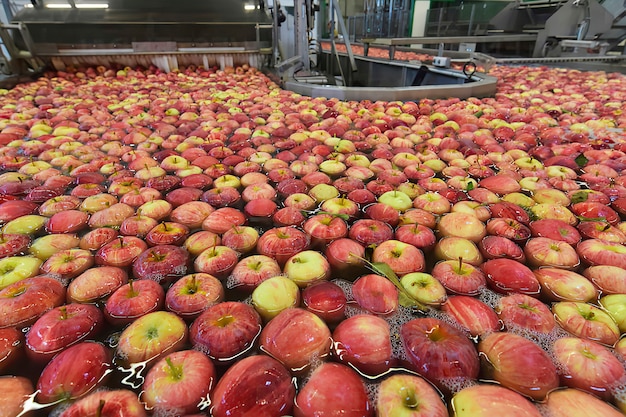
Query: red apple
column 320, row 397
column 22, row 302
column 521, row 311
column 65, row 378
column 120, row 252
column 107, row 403
column 420, row 236
column 546, row 252
column 96, row 238
column 507, row 276
column 282, row 243
column 609, row 279
column 179, row 383
column 575, row 403
column 438, row 351
column 192, row 294
column 519, row 364
column 242, row 239
column 588, row 366
column 563, row 285
column 296, row 337
column 167, row 233
column 133, row 300
column 370, row 232
column 226, row 330
column 324, row 228
column 15, row 394
column 325, row 299
column 11, row 348
column 459, row 277
column 254, row 386
column 60, row 328
column 68, row 263
column 471, row 313
column 96, row 284
column 223, row 219
column 487, row 400
column 161, row 263
column 364, row 342
column 13, row 244
column 401, row 257
column 494, row 247
column 191, row 214
column 375, row 294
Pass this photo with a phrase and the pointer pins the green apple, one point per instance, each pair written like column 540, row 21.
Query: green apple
column 424, row 288
column 25, row 225
column 227, row 181
column 323, row 192
column 396, row 199
column 615, row 305
column 46, row 246
column 307, row 267
column 17, row 268
column 274, row 295
column 152, row 336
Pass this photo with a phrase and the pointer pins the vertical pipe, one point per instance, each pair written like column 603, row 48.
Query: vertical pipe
column 471, row 20
column 440, row 21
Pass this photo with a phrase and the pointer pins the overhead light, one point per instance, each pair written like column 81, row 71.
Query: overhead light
column 58, row 6
column 92, row 5
column 249, row 7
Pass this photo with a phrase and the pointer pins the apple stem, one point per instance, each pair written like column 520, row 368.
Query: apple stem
column 193, row 285
column 121, row 242
column 164, row 224
column 177, row 371
column 131, row 288
column 460, row 263
column 63, row 311
column 100, row 408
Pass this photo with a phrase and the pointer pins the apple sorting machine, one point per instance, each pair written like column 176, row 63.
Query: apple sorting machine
column 170, row 35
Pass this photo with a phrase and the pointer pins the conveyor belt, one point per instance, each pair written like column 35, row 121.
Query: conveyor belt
column 556, row 60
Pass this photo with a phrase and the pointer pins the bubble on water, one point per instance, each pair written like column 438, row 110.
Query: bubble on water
column 155, row 277
column 492, row 299
column 180, row 270
column 353, row 310
column 346, row 287
column 166, row 412
column 65, row 281
column 232, row 282
column 372, row 391
column 248, row 300
column 202, row 349
column 618, row 389
column 454, row 385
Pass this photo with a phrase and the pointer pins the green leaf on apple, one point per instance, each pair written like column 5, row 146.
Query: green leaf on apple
column 470, row 186
column 581, row 160
column 404, row 298
column 579, row 197
column 591, row 219
column 531, row 214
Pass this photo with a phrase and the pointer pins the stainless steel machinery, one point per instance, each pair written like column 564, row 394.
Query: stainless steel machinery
column 171, row 34
column 566, row 27
column 164, row 33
